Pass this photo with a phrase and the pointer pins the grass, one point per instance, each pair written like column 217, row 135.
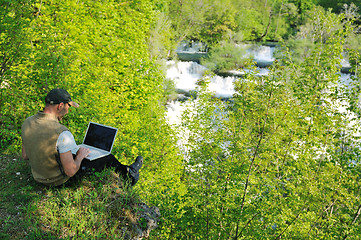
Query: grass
column 99, row 207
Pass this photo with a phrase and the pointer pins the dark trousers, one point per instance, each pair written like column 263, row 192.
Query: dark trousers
column 88, row 167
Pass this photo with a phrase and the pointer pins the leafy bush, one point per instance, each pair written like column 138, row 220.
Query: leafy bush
column 225, row 56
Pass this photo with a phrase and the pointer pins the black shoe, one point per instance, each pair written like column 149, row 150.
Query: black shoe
column 137, row 164
column 133, row 170
column 134, row 178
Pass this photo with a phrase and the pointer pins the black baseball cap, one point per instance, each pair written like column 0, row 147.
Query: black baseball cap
column 58, row 95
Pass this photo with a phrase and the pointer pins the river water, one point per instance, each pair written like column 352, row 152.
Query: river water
column 185, row 75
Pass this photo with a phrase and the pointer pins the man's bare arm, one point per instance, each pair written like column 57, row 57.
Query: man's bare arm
column 71, row 165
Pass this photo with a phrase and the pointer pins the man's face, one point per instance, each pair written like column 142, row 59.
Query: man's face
column 63, row 110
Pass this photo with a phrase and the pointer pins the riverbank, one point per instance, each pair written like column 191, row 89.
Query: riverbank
column 98, row 207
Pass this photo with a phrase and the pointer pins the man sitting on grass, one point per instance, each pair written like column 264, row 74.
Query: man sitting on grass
column 48, row 144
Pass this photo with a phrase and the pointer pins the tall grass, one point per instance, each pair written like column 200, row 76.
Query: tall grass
column 101, row 206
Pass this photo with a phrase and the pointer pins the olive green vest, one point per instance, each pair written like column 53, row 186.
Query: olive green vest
column 39, row 134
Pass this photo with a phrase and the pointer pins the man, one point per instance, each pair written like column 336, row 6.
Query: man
column 48, row 144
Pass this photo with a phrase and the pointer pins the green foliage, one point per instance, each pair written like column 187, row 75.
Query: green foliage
column 279, row 160
column 213, row 21
column 304, row 5
column 13, row 52
column 253, row 19
column 220, row 22
column 320, row 27
column 225, row 56
column 160, row 178
column 285, row 19
column 338, row 6
column 98, row 51
column 160, row 37
column 207, row 175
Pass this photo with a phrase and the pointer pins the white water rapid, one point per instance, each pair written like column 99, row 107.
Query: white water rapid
column 186, row 74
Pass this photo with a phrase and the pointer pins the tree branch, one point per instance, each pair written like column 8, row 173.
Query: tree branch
column 254, row 158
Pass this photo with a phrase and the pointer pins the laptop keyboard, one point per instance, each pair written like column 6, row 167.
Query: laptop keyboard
column 94, row 152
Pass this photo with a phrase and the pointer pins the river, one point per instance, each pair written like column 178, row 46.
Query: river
column 185, row 75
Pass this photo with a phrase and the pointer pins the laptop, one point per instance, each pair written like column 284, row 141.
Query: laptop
column 99, row 139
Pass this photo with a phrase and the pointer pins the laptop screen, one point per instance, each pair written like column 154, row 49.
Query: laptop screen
column 100, row 136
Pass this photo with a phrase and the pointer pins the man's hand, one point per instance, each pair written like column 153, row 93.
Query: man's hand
column 82, row 153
